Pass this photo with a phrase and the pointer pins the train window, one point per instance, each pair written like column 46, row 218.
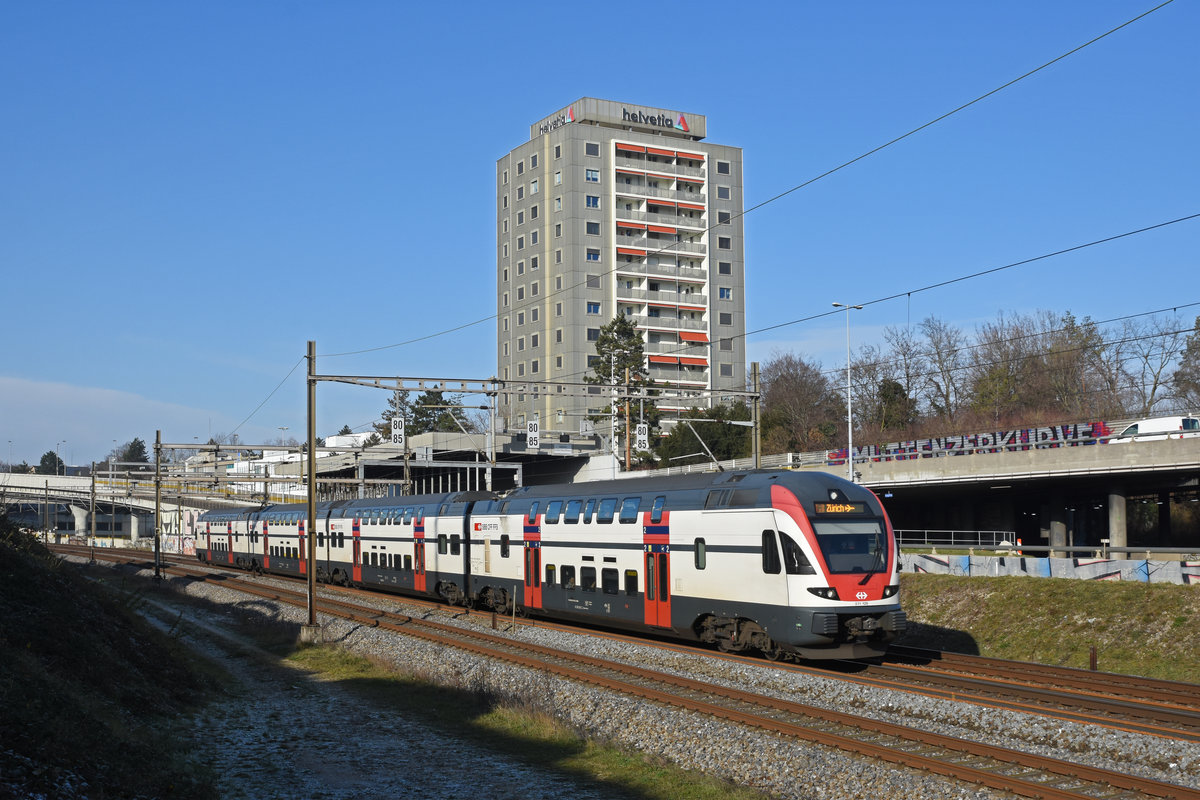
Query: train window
column 629, row 509
column 568, row 577
column 420, row 515
column 505, row 546
column 608, row 507
column 455, row 545
column 553, row 509
column 631, row 581
column 573, row 509
column 770, row 553
column 588, row 510
column 531, row 517
column 717, row 498
column 442, row 544
column 504, row 507
column 794, row 560
column 610, row 581
column 374, row 559
column 444, row 510
column 408, row 563
column 656, row 510
column 587, row 578
column 549, row 574
column 408, row 516
column 701, row 554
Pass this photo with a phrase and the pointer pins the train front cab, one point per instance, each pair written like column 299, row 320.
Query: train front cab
column 837, row 553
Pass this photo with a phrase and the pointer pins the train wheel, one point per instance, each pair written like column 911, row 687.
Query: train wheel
column 773, row 653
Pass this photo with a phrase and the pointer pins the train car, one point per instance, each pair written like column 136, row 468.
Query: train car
column 775, row 561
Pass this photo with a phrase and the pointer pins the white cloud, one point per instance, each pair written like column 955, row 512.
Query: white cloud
column 37, row 415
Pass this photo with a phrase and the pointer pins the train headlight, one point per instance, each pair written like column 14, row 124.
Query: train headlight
column 891, row 591
column 827, row 592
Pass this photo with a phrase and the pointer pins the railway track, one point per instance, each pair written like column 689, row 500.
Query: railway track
column 987, row 765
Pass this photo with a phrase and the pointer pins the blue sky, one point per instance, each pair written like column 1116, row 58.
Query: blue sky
column 189, row 192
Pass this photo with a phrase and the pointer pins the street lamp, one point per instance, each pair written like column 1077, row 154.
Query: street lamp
column 849, row 408
column 57, row 460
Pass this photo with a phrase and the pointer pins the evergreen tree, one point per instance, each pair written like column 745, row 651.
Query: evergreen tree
column 620, row 347
column 724, row 440
column 398, row 403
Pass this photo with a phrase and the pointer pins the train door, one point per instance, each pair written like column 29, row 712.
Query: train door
column 229, row 541
column 356, row 535
column 657, row 550
column 208, row 541
column 419, row 552
column 266, row 536
column 303, row 550
column 533, row 559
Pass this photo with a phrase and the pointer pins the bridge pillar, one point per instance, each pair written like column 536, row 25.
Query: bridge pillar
column 1164, row 518
column 133, row 527
column 1058, row 525
column 81, row 518
column 1117, row 534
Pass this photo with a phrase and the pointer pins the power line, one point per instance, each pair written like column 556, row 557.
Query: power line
column 783, row 194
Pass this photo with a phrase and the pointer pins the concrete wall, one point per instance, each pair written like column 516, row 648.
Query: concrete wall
column 1089, row 569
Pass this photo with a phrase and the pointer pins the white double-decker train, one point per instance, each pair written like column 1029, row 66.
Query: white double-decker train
column 776, row 561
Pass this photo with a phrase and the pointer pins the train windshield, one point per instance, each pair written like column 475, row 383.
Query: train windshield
column 852, row 545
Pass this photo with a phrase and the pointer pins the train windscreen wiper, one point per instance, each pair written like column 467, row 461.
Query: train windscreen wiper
column 878, row 561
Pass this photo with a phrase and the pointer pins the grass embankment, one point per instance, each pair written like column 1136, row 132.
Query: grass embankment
column 1137, row 628
column 87, row 688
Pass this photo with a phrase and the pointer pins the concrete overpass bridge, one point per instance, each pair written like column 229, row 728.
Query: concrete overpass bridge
column 1057, row 486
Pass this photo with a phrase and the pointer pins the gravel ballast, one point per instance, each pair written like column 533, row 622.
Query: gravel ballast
column 312, row 739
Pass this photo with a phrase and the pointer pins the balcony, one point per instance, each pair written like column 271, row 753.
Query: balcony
column 641, row 190
column 656, row 245
column 660, row 167
column 689, row 274
column 668, row 323
column 647, row 296
column 677, row 220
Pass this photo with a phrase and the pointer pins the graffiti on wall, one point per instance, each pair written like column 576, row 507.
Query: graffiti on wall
column 1045, row 437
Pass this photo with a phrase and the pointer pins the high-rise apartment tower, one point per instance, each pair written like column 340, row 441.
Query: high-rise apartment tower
column 617, row 209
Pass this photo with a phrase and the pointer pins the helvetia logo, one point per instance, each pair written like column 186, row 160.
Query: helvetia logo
column 682, row 124
column 570, row 115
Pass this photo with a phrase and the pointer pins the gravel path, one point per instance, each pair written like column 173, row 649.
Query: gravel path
column 309, row 739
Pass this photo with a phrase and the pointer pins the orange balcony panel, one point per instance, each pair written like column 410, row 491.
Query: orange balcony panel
column 660, row 229
column 631, row 148
column 622, row 170
column 641, row 226
column 663, row 359
column 693, row 156
column 693, row 336
column 653, row 202
column 630, row 251
column 693, row 362
column 656, row 151
column 691, row 206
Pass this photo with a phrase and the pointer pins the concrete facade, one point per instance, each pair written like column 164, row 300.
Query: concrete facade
column 618, row 209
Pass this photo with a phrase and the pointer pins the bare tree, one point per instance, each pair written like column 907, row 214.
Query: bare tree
column 802, row 409
column 1154, row 346
column 944, row 351
column 1186, row 381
